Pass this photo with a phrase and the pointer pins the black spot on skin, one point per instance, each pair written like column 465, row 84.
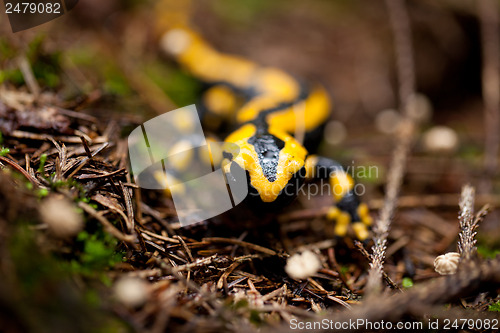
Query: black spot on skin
column 268, row 148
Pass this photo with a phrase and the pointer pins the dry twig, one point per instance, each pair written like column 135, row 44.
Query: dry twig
column 468, row 223
column 405, row 68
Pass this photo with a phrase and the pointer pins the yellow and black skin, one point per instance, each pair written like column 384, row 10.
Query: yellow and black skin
column 273, row 104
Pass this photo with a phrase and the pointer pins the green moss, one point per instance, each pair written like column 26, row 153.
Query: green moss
column 12, row 75
column 241, row 304
column 494, row 307
column 45, row 287
column 4, row 151
column 98, row 254
column 255, row 317
column 407, row 282
column 42, row 192
column 28, row 273
column 487, row 252
column 6, row 50
column 45, row 291
column 47, row 70
column 46, row 66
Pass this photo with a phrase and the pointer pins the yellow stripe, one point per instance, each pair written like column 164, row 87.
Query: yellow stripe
column 311, row 163
column 273, row 86
column 309, row 113
column 364, row 214
column 360, row 230
column 275, row 82
column 203, row 61
column 342, row 224
column 341, row 184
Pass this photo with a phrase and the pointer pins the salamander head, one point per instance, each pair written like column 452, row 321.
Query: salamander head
column 273, row 160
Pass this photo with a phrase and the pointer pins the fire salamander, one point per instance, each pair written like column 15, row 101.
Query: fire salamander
column 276, row 163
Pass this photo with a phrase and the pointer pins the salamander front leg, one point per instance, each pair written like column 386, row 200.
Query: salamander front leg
column 348, row 210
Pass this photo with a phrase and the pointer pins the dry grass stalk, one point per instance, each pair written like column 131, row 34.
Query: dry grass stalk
column 468, row 223
column 28, row 75
column 466, row 218
column 405, row 68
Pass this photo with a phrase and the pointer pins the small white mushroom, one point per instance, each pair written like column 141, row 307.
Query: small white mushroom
column 61, row 217
column 132, row 292
column 440, row 139
column 302, row 266
column 447, row 263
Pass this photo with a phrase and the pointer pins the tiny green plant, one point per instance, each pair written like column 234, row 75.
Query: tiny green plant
column 487, row 251
column 495, row 307
column 98, row 253
column 42, row 192
column 4, row 151
column 407, row 282
column 43, row 159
